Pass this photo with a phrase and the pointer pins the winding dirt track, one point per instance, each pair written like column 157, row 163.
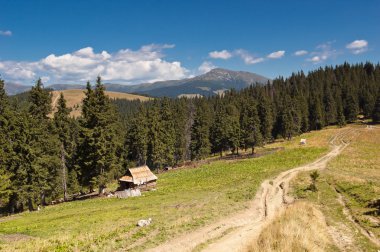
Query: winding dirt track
column 236, row 232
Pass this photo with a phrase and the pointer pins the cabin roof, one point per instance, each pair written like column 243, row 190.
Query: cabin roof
column 139, row 175
column 126, row 179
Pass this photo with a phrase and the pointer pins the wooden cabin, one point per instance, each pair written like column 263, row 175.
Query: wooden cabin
column 139, row 177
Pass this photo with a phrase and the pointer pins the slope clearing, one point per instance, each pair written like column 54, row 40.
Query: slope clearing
column 348, row 193
column 235, row 233
column 74, row 98
column 186, row 200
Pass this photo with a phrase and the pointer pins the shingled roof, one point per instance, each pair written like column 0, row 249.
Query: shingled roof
column 139, row 175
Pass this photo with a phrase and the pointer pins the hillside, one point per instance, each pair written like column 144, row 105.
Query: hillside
column 185, row 200
column 74, row 98
column 110, row 224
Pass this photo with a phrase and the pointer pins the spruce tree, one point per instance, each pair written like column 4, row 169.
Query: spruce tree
column 43, row 169
column 156, row 146
column 341, row 120
column 100, row 146
column 232, row 128
column 265, row 114
column 6, row 147
column 40, row 101
column 376, row 110
column 315, row 113
column 330, row 107
column 219, row 129
column 167, row 131
column 351, row 108
column 200, row 132
column 251, row 136
column 137, row 137
column 62, row 124
column 183, row 119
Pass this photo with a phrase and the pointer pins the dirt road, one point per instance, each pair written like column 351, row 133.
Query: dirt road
column 234, row 233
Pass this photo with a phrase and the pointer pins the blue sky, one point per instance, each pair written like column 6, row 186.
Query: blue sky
column 137, row 41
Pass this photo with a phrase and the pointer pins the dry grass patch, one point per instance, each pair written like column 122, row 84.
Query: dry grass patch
column 300, row 228
column 314, row 139
column 74, row 98
column 355, row 174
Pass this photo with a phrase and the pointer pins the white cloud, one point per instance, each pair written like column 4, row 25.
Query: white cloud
column 224, row 54
column 322, row 53
column 247, row 57
column 276, row 55
column 301, row 53
column 358, row 46
column 206, row 66
column 6, row 33
column 125, row 66
column 315, row 59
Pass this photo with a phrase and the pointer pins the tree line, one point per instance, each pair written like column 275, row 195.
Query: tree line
column 47, row 155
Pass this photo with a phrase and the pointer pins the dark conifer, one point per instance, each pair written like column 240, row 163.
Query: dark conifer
column 200, row 132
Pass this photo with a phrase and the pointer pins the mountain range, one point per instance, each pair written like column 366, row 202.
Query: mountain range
column 213, row 82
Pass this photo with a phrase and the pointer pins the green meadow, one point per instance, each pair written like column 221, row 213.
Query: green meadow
column 185, row 199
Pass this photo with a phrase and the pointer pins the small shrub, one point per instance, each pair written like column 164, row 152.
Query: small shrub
column 314, row 176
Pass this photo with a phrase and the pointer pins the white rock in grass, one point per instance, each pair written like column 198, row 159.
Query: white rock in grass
column 143, row 223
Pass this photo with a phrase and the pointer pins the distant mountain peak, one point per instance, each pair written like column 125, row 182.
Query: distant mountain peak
column 222, row 74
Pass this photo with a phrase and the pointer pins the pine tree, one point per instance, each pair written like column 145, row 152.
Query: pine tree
column 41, row 150
column 62, row 124
column 100, row 147
column 251, row 136
column 341, row 120
column 200, row 132
column 330, row 107
column 167, row 131
column 232, row 128
column 376, row 109
column 40, row 101
column 183, row 120
column 137, row 137
column 289, row 118
column 351, row 108
column 266, row 116
column 219, row 129
column 6, row 147
column 315, row 114
column 156, row 146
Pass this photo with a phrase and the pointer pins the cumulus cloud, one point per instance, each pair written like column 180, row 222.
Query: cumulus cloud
column 126, row 66
column 301, row 53
column 247, row 57
column 276, row 55
column 322, row 53
column 206, row 66
column 358, row 46
column 6, row 33
column 224, row 54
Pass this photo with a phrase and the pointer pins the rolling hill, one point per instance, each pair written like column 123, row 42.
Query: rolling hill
column 214, row 82
column 74, row 98
column 15, row 88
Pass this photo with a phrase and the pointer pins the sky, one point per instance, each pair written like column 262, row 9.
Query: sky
column 134, row 41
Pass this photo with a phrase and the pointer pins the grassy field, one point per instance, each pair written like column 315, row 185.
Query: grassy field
column 353, row 177
column 74, row 98
column 184, row 200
